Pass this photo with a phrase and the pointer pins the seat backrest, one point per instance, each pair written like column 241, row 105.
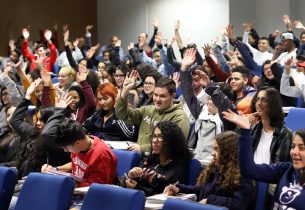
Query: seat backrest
column 126, row 160
column 194, row 171
column 101, row 196
column 261, row 192
column 295, row 118
column 8, row 178
column 45, row 191
column 178, row 204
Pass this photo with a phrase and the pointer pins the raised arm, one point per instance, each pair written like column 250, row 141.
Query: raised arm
column 155, row 24
column 259, row 172
column 18, row 122
column 25, row 46
column 186, row 83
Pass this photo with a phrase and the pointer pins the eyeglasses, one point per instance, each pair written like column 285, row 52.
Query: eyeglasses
column 262, row 99
column 119, row 75
column 149, row 83
column 157, row 138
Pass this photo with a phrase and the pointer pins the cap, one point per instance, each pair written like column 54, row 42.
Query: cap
column 301, row 55
column 287, row 35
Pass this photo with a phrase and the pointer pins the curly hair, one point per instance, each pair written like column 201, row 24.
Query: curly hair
column 174, row 141
column 227, row 165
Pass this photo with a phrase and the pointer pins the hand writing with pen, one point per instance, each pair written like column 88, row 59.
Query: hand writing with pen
column 133, row 174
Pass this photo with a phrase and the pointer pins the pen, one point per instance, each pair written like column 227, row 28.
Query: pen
column 177, row 182
column 126, row 176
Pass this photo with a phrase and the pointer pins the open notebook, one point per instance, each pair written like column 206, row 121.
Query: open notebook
column 157, row 201
column 119, row 144
column 55, row 172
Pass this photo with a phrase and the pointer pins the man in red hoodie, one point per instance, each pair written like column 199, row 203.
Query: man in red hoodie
column 40, row 51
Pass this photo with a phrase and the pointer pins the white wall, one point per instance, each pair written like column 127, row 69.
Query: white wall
column 267, row 14
column 200, row 19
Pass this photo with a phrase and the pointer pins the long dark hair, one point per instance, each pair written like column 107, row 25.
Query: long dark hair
column 32, row 152
column 274, row 105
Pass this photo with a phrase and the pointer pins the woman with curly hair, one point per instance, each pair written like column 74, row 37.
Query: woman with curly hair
column 221, row 183
column 165, row 165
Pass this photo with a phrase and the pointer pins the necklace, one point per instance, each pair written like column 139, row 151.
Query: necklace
column 88, row 148
column 89, row 145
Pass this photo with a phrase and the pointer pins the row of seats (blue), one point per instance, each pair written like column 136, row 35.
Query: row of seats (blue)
column 49, row 192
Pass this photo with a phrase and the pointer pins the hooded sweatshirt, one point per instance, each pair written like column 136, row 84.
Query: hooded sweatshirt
column 147, row 117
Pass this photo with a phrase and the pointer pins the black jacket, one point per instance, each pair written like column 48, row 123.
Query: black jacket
column 112, row 130
column 280, row 145
column 234, row 199
column 33, row 152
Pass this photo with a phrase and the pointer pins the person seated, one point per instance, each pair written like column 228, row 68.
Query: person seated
column 166, row 163
column 289, row 176
column 221, row 183
column 91, row 158
column 83, row 101
column 104, row 123
column 9, row 142
column 33, row 150
column 164, row 109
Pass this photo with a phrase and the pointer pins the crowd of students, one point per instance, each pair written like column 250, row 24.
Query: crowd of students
column 173, row 111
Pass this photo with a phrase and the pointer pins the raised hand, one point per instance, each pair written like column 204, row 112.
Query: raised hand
column 276, row 32
column 130, row 46
column 155, row 22
column 207, row 49
column 247, row 27
column 171, row 42
column 176, row 78
column 88, row 28
column 288, row 64
column 32, row 88
column 11, row 44
column 214, row 41
column 129, row 83
column 239, row 120
column 75, row 42
column 118, row 43
column 25, row 34
column 298, row 24
column 230, row 32
column 82, row 76
column 203, row 78
column 63, row 101
column 65, row 28
column 188, row 59
column 66, row 36
column 286, row 19
column 48, row 34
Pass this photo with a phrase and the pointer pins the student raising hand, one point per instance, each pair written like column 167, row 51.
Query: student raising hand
column 240, row 120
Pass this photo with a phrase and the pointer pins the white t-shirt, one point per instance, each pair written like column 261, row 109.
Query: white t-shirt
column 262, row 153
